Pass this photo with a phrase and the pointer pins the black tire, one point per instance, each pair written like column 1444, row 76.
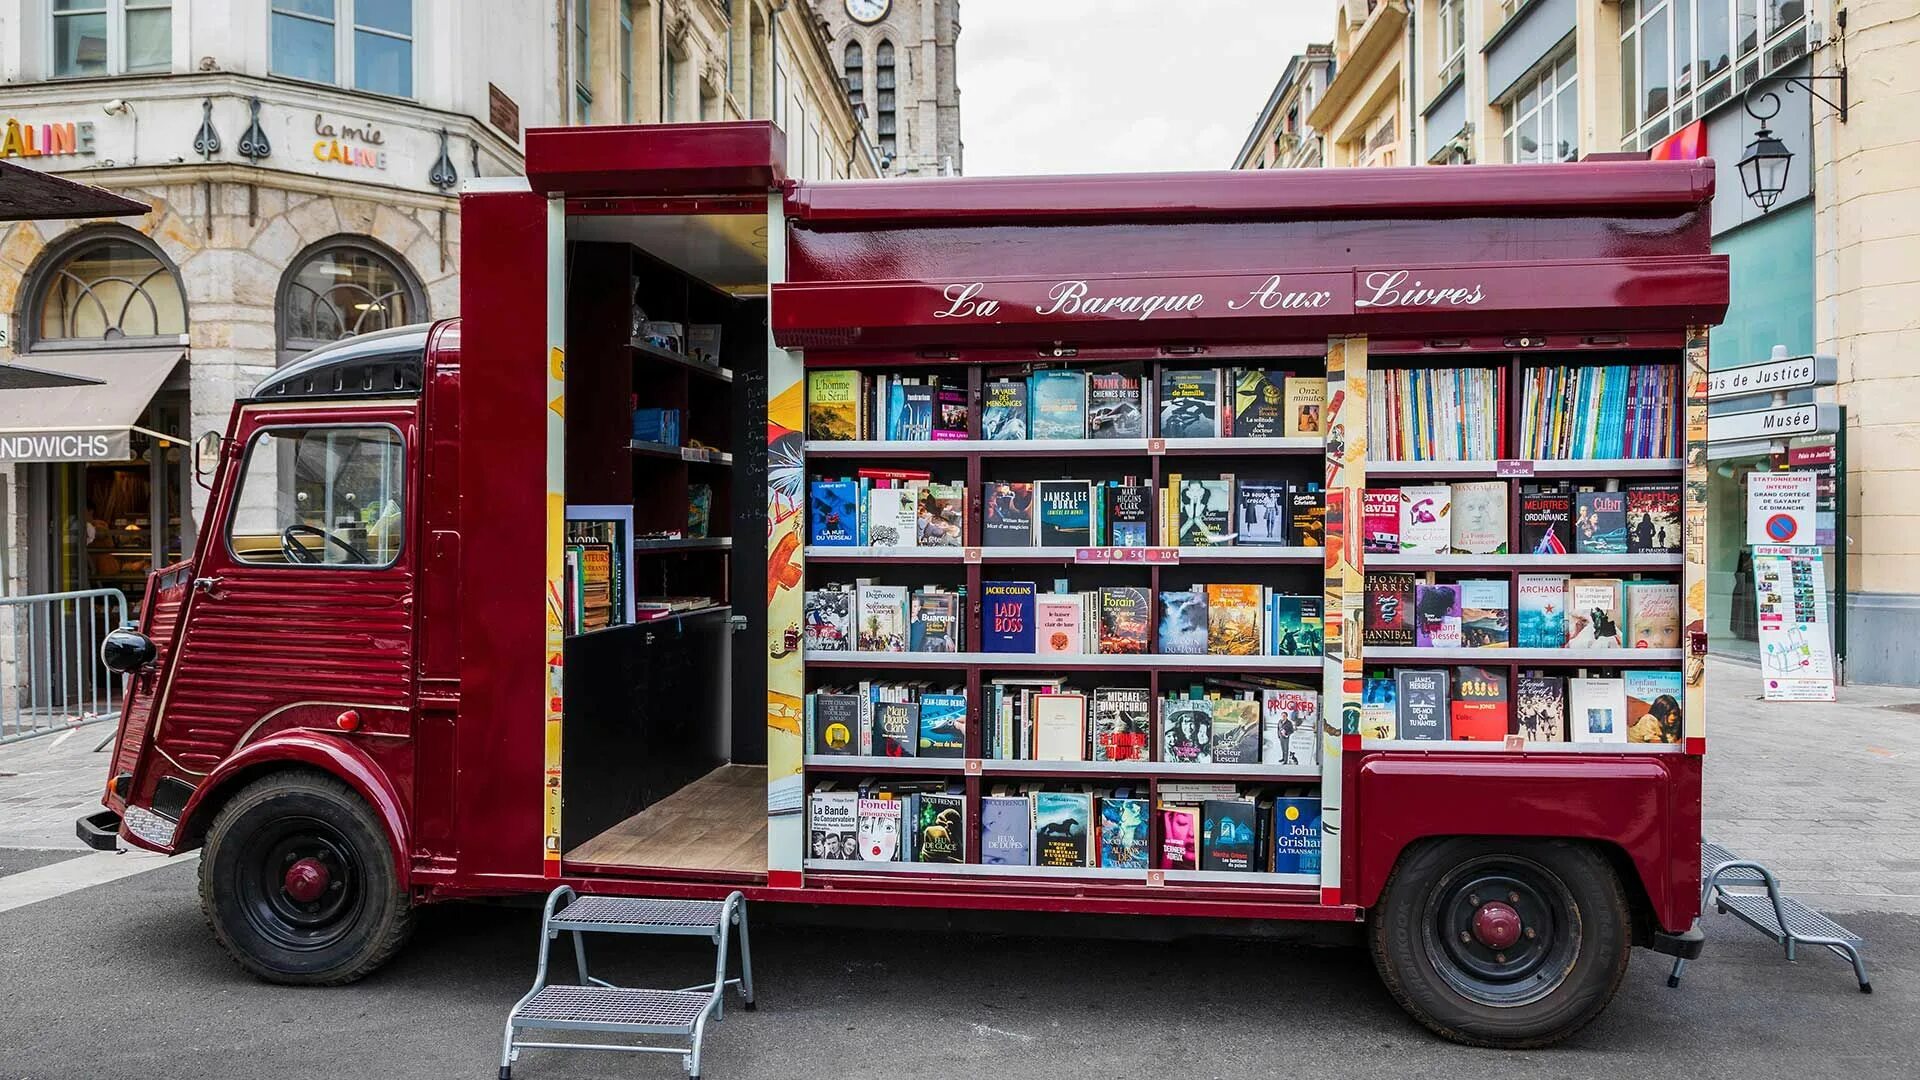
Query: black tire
column 1440, row 941
column 260, row 914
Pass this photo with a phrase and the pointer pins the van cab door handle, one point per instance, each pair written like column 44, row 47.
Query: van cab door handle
column 209, row 586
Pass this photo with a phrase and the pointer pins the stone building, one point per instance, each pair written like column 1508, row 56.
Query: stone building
column 1361, row 116
column 897, row 57
column 1282, row 138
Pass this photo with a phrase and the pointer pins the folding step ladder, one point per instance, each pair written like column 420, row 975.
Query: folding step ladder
column 1787, row 921
column 596, row 1005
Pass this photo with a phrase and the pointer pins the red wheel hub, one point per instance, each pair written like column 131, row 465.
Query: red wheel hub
column 307, row 880
column 1496, row 925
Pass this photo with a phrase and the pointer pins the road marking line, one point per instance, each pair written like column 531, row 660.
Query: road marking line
column 63, row 737
column 61, row 878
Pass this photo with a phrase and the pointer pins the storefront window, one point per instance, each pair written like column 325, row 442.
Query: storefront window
column 330, row 496
column 341, row 289
column 312, row 39
column 110, row 37
column 108, row 290
column 1681, row 58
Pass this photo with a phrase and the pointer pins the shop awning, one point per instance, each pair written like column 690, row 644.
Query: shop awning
column 26, row 194
column 90, row 417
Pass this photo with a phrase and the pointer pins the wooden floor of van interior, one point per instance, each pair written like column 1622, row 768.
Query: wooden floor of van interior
column 718, row 822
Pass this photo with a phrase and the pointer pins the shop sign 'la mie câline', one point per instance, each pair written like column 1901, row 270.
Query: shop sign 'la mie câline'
column 1380, row 289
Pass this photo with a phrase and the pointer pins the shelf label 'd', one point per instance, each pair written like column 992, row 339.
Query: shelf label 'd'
column 1165, row 556
column 972, row 766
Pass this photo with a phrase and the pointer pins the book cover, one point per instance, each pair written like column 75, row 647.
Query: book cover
column 1424, row 528
column 1060, row 727
column 1484, row 613
column 1063, row 512
column 1296, row 834
column 836, row 724
column 1006, row 617
column 892, row 517
column 835, row 506
column 1179, row 837
column 1654, row 706
column 1540, row 707
column 1189, row 404
column 1236, row 731
column 828, row 620
column 1007, row 513
column 943, row 725
column 1003, row 414
column 1058, row 405
column 940, row 828
column 910, row 412
column 1653, row 519
column 1546, row 518
column 1597, row 710
column 880, row 830
column 1113, row 406
column 1123, row 833
column 1379, row 707
column 950, row 412
column 1261, row 511
column 699, row 510
column 1233, row 620
column 1186, row 730
column 1120, row 724
column 1226, row 835
column 1478, row 519
column 1206, row 513
column 1436, row 616
column 1541, row 603
column 1128, row 508
column 833, row 405
column 896, row 728
column 942, row 517
column 1389, row 614
column 882, row 617
column 1059, row 620
column 1653, row 614
column 1593, row 613
column 1479, row 708
column 1306, row 515
column 934, row 622
column 1259, row 405
column 1380, row 520
column 1288, row 719
column 1125, row 619
column 1600, row 522
column 1423, row 696
column 833, row 825
column 1006, row 830
column 1306, row 398
column 1296, row 626
column 1183, row 623
column 1060, row 820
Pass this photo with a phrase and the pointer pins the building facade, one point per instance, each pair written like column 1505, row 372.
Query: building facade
column 1362, row 115
column 898, row 61
column 1282, row 138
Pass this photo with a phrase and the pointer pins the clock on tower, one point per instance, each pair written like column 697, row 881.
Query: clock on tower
column 868, row 12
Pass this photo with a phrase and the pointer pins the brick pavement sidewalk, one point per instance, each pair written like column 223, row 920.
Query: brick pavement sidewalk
column 46, row 783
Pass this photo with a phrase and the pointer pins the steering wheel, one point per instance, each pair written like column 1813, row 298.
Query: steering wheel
column 296, row 552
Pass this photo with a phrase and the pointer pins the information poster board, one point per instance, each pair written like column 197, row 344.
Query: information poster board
column 1796, row 637
column 1782, row 508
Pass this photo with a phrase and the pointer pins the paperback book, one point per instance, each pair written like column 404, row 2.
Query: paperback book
column 1423, row 699
column 1259, row 405
column 1653, row 519
column 1060, row 821
column 1546, row 518
column 836, row 724
column 1007, row 514
column 880, row 830
column 1262, row 509
column 1059, row 621
column 1125, row 620
column 1003, row 414
column 882, row 617
column 942, row 517
column 833, row 825
column 1478, row 712
column 828, row 620
column 1288, row 719
column 1120, row 724
column 1226, row 835
column 1653, row 614
column 1600, row 522
column 1541, row 600
column 1186, row 726
column 1593, row 613
column 1064, row 512
column 1654, row 711
column 940, row 833
column 1189, row 404
column 1179, row 837
column 1058, row 405
column 1389, row 615
column 1007, row 616
column 1233, row 620
column 896, row 728
column 1206, row 513
column 1379, row 707
column 1123, row 834
column 1113, row 406
column 1006, row 830
column 1484, row 614
column 1306, row 515
column 1380, row 520
column 1236, row 731
column 1127, row 510
column 1424, row 528
column 1296, row 835
column 1060, row 727
column 1540, row 707
column 1597, row 710
column 1183, row 623
column 1436, row 619
column 835, row 517
column 1295, row 626
column 833, row 405
column 1478, row 519
column 943, row 725
column 1306, row 399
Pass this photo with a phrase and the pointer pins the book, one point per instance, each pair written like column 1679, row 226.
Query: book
column 1006, row 617
column 1260, row 507
column 1653, row 614
column 1423, row 698
column 699, row 510
column 836, row 724
column 1003, row 413
column 1295, row 626
column 1306, row 515
column 1484, row 613
column 1389, row 616
column 1653, row 518
column 1305, row 397
column 1477, row 521
column 1296, row 835
column 1057, row 405
column 943, row 725
column 1206, row 513
column 1591, row 411
column 1541, row 611
column 833, row 405
column 940, row 834
column 1546, row 518
column 1436, row 617
column 1006, row 830
column 1059, row 620
column 1600, row 522
column 1259, row 405
column 1233, row 620
column 1593, row 613
column 1063, row 513
column 1654, row 701
column 1123, row 834
column 941, row 520
column 881, row 612
column 703, row 342
column 1540, row 707
column 1597, row 710
column 1379, row 707
column 909, row 411
column 833, row 824
column 1436, row 414
column 896, row 728
column 1380, row 520
column 1226, row 835
column 1183, row 623
column 1128, row 507
column 892, row 517
column 1189, row 404
column 1186, row 730
column 1121, row 728
column 828, row 620
column 1236, row 731
column 879, row 830
column 1424, row 528
column 1478, row 712
column 934, row 621
column 950, row 412
column 1060, row 820
column 1179, row 837
column 1007, row 514
column 1113, row 406
column 1288, row 721
column 1126, row 618
column 1060, row 727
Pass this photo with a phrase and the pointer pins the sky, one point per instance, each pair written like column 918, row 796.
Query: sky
column 1063, row 86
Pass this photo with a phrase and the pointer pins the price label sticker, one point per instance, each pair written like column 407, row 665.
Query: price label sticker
column 1156, row 447
column 970, row 556
column 1516, row 742
column 972, row 766
column 1513, row 467
column 1156, row 877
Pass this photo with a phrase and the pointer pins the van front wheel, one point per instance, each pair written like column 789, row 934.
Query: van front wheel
column 298, row 883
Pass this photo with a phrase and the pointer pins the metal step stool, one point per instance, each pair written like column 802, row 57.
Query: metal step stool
column 599, row 1006
column 1786, row 920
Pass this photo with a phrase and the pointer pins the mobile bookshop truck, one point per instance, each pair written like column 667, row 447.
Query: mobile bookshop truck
column 1320, row 545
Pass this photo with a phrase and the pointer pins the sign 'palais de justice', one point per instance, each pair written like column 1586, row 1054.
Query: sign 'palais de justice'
column 1397, row 289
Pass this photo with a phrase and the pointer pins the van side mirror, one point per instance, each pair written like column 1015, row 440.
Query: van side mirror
column 206, row 458
column 126, row 650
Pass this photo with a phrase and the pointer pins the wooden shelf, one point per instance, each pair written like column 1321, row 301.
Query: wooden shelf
column 704, row 543
column 1600, row 467
column 1064, row 661
column 1159, row 770
column 1593, row 658
column 1023, row 448
column 1243, row 554
column 651, row 352
column 1055, row 873
column 1655, row 561
column 1457, row 746
column 874, row 763
column 687, row 454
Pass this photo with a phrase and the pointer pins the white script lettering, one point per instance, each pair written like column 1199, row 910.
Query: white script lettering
column 1390, row 289
column 962, row 302
column 1270, row 296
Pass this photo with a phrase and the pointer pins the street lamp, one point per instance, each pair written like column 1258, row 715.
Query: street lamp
column 1763, row 169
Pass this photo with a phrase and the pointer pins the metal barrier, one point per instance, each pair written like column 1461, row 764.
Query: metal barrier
column 51, row 677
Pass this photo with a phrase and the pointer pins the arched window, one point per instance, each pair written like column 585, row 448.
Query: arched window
column 109, row 286
column 342, row 287
column 883, row 87
column 855, row 69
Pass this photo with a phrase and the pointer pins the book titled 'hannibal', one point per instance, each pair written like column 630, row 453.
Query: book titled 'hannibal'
column 1006, row 616
column 1389, row 615
column 1423, row 703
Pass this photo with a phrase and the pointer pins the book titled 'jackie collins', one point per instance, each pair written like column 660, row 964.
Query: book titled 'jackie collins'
column 1006, row 616
column 1380, row 520
column 1546, row 518
column 1423, row 695
column 1389, row 614
column 1006, row 830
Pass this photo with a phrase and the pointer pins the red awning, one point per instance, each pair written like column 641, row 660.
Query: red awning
column 28, row 195
column 735, row 158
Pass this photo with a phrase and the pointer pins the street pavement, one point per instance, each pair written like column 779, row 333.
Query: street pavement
column 122, row 979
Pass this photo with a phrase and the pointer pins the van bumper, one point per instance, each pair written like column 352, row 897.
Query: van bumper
column 1686, row 945
column 99, row 830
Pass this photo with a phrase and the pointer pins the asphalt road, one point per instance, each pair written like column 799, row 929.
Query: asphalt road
column 123, row 980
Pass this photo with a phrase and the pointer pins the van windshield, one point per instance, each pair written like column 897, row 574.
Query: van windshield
column 320, row 496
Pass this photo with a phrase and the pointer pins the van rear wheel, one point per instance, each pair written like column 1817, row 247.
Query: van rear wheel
column 1510, row 944
column 297, row 881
